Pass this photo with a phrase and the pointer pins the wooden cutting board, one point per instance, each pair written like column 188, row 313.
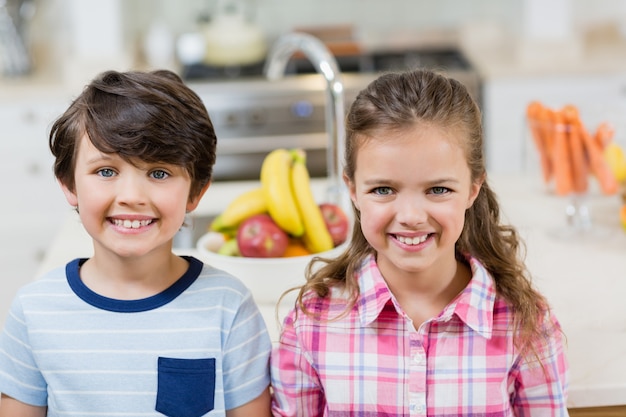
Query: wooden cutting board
column 339, row 39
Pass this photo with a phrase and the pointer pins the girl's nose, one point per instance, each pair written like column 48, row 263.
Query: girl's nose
column 410, row 211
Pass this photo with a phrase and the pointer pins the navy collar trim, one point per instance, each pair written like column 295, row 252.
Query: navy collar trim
column 72, row 270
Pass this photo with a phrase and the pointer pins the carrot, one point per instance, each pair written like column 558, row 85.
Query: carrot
column 546, row 117
column 599, row 166
column 578, row 158
column 604, row 134
column 561, row 157
column 536, row 117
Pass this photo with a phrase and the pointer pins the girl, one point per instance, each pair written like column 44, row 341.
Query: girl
column 430, row 311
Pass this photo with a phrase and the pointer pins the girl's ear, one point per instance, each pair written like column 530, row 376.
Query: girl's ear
column 193, row 202
column 474, row 190
column 70, row 196
column 351, row 189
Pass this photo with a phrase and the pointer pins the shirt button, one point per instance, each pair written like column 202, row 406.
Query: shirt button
column 417, row 408
column 418, row 358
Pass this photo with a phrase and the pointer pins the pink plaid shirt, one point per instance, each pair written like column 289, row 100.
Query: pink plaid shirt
column 372, row 362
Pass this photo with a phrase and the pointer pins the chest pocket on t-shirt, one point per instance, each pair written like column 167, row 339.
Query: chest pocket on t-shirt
column 186, row 387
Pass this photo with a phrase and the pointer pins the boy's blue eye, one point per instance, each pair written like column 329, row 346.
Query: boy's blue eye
column 159, row 174
column 106, row 172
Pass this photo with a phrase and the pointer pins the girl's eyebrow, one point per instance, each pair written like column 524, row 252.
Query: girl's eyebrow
column 377, row 181
column 443, row 180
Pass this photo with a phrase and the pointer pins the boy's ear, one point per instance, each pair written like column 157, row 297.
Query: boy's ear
column 193, row 202
column 70, row 196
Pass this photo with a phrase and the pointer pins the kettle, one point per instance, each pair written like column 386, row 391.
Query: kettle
column 231, row 39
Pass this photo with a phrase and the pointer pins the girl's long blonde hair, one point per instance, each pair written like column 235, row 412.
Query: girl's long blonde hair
column 398, row 101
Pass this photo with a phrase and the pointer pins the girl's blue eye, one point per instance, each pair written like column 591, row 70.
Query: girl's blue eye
column 106, row 172
column 159, row 174
column 382, row 190
column 440, row 190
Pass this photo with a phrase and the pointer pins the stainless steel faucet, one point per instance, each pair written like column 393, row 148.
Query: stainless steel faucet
column 325, row 64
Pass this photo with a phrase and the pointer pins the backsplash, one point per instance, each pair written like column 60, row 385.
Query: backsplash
column 279, row 16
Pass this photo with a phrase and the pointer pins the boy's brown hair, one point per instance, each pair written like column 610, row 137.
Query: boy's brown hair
column 141, row 116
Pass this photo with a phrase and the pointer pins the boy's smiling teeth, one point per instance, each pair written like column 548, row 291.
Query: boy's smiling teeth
column 131, row 224
column 411, row 240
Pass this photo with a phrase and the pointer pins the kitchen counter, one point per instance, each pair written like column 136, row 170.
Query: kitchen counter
column 582, row 276
column 495, row 53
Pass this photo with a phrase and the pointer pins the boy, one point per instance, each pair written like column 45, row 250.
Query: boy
column 135, row 329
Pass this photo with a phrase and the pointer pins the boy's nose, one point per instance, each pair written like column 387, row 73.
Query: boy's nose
column 131, row 190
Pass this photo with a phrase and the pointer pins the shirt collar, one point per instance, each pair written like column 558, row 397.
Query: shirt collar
column 374, row 292
column 474, row 305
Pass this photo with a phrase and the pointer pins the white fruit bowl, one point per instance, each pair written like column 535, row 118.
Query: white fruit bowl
column 267, row 278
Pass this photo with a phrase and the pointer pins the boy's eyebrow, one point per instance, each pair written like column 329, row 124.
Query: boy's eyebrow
column 100, row 157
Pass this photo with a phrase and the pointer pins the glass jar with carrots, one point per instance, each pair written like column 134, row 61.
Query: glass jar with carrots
column 570, row 154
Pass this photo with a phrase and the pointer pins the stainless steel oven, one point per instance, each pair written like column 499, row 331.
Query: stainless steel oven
column 252, row 115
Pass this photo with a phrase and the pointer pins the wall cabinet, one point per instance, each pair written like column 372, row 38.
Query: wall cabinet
column 508, row 145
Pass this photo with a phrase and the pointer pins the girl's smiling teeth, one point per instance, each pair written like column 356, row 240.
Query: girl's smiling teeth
column 131, row 224
column 411, row 240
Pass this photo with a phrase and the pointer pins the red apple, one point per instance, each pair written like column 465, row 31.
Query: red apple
column 260, row 237
column 336, row 221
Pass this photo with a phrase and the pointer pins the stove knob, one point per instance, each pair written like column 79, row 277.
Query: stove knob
column 302, row 109
column 257, row 117
column 231, row 119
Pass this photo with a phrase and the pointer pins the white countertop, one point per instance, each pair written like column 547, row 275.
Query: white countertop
column 583, row 278
column 495, row 52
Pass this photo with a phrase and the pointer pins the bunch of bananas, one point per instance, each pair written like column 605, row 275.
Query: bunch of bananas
column 285, row 194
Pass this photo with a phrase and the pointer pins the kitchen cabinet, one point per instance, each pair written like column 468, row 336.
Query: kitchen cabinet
column 508, row 145
column 33, row 206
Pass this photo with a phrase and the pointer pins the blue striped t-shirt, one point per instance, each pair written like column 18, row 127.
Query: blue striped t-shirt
column 198, row 346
